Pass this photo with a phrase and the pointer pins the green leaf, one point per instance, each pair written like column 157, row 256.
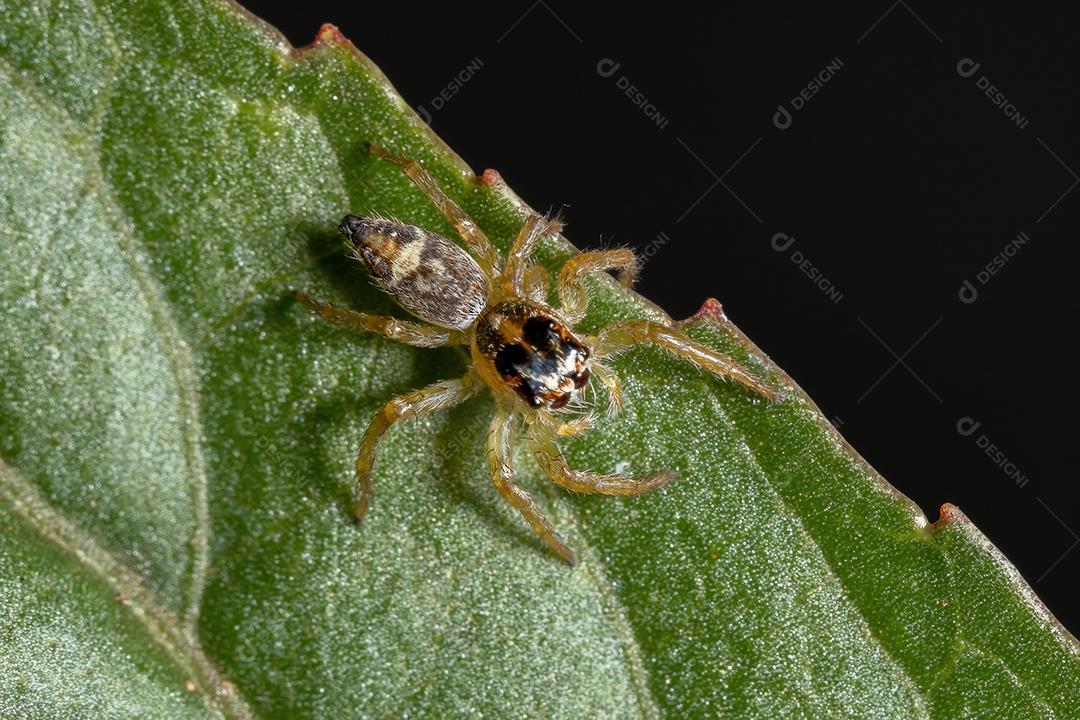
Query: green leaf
column 177, row 436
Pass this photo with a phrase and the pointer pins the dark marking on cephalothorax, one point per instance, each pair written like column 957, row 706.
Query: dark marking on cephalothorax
column 534, row 354
column 428, row 275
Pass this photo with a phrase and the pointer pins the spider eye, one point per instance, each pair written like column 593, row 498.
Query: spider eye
column 351, row 225
column 540, row 332
column 510, row 358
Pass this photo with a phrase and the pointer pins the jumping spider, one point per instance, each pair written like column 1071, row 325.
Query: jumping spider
column 521, row 348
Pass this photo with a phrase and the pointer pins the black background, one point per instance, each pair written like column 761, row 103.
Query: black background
column 898, row 180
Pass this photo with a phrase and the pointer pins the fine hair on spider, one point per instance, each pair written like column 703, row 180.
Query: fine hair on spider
column 522, row 349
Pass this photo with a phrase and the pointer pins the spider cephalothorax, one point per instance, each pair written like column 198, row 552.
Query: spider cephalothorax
column 525, row 351
column 533, row 353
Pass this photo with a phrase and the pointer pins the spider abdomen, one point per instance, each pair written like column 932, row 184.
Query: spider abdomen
column 428, row 275
column 533, row 354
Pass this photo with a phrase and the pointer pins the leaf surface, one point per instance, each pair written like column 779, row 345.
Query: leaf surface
column 177, row 436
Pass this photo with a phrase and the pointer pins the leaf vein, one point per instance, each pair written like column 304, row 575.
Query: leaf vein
column 751, row 455
column 177, row 351
column 163, row 626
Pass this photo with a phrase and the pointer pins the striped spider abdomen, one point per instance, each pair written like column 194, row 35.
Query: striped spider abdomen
column 428, row 275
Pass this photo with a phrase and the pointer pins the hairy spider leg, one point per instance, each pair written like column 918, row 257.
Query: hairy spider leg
column 470, row 232
column 534, row 228
column 537, row 283
column 502, row 475
column 575, row 426
column 572, row 293
column 403, row 331
column 622, row 335
column 545, row 448
column 439, row 396
column 611, row 383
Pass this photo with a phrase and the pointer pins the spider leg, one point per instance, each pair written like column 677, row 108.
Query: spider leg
column 439, row 396
column 537, row 282
column 502, row 475
column 534, row 228
column 575, row 426
column 542, row 442
column 403, row 331
column 572, row 292
column 470, row 232
column 611, row 382
column 619, row 336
